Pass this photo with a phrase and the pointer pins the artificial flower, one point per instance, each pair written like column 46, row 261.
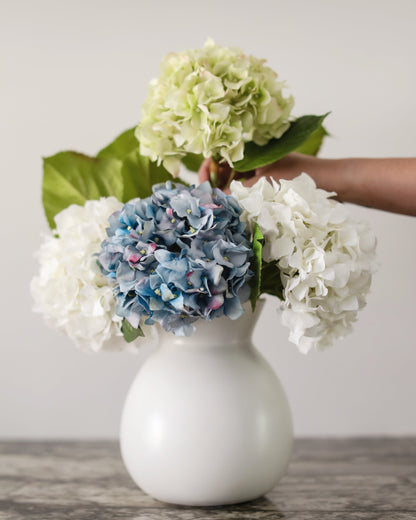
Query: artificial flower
column 70, row 290
column 211, row 101
column 325, row 259
column 179, row 255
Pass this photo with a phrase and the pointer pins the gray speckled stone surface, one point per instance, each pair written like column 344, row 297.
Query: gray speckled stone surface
column 336, row 479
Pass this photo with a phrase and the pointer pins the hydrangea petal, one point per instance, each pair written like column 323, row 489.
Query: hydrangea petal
column 325, row 259
column 194, row 262
column 211, row 101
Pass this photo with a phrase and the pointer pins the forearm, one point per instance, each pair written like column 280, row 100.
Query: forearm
column 386, row 184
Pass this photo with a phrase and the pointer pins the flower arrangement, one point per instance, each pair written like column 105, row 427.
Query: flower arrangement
column 130, row 246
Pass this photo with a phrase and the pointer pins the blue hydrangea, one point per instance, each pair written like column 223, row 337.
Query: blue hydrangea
column 179, row 255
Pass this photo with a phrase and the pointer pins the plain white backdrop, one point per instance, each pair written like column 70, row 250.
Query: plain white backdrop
column 74, row 74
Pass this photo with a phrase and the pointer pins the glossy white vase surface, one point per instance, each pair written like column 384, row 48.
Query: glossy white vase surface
column 206, row 421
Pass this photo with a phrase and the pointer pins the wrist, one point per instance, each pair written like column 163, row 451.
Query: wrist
column 333, row 175
column 351, row 174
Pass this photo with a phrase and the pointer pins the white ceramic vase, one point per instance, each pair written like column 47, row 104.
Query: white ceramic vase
column 206, row 421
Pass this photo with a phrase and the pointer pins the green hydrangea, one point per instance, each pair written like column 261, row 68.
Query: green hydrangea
column 211, row 101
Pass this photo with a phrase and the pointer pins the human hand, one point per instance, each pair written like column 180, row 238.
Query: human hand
column 388, row 184
column 288, row 167
column 225, row 174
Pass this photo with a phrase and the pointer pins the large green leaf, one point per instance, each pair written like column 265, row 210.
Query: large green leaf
column 74, row 178
column 139, row 175
column 298, row 133
column 258, row 242
column 121, row 146
column 138, row 172
column 314, row 142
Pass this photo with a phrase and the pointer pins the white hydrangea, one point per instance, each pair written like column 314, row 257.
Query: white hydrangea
column 211, row 101
column 326, row 260
column 70, row 290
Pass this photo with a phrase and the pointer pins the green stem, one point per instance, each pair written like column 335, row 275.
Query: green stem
column 213, row 173
column 230, row 180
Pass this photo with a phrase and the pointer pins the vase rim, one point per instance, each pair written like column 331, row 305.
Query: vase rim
column 221, row 330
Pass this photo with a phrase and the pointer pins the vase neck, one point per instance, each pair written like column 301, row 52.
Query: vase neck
column 217, row 332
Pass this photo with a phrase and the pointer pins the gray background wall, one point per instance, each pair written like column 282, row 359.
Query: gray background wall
column 74, row 74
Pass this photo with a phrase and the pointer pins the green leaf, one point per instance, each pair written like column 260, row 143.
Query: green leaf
column 193, row 161
column 74, row 178
column 258, row 242
column 271, row 282
column 298, row 133
column 129, row 332
column 121, row 146
column 138, row 172
column 314, row 143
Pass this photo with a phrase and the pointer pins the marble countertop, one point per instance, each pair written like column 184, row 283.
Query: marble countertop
column 328, row 479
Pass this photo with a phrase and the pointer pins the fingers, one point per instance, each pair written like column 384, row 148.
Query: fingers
column 248, row 179
column 250, row 182
column 203, row 174
column 223, row 174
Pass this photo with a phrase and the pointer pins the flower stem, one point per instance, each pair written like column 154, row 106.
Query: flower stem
column 213, row 173
column 230, row 180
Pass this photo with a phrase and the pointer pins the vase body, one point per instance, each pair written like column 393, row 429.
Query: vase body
column 206, row 421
